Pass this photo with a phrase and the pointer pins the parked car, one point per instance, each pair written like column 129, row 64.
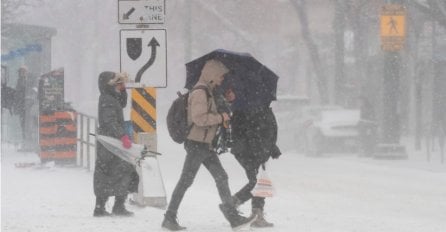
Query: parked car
column 328, row 129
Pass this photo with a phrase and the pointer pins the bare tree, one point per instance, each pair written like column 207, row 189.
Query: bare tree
column 339, row 29
column 435, row 8
column 301, row 9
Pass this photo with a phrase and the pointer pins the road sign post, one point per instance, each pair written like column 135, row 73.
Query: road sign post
column 141, row 11
column 392, row 27
column 393, row 32
column 143, row 55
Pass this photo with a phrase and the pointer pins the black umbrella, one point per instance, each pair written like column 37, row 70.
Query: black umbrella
column 253, row 83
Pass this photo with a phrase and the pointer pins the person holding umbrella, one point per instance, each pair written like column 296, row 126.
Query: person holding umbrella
column 254, row 136
column 204, row 119
column 250, row 87
column 112, row 175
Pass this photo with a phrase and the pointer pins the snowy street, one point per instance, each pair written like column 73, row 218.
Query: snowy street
column 351, row 94
column 331, row 194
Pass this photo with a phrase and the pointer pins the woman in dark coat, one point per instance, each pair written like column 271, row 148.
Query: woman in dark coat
column 254, row 135
column 112, row 176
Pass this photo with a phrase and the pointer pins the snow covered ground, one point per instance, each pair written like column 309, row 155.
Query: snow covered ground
column 337, row 193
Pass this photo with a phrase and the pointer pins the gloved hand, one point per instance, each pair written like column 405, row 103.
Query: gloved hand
column 126, row 143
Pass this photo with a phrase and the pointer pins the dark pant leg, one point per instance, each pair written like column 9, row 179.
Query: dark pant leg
column 196, row 153
column 258, row 203
column 100, row 202
column 22, row 125
column 217, row 171
column 251, row 169
column 119, row 201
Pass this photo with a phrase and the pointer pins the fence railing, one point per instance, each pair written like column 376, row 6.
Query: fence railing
column 86, row 141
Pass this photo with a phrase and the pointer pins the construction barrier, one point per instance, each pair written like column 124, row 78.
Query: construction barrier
column 58, row 136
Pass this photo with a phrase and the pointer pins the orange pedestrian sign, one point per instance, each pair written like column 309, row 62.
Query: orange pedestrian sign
column 392, row 27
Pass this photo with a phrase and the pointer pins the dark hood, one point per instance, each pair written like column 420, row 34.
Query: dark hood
column 103, row 85
column 108, row 89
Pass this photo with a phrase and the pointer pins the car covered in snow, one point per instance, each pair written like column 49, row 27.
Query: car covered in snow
column 329, row 129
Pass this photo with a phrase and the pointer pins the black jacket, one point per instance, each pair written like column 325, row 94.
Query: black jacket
column 254, row 134
column 112, row 176
column 24, row 94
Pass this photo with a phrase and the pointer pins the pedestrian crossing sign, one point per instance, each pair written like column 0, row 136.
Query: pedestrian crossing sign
column 392, row 27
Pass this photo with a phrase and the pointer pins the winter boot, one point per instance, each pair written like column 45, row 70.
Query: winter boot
column 119, row 208
column 170, row 222
column 99, row 209
column 234, row 218
column 260, row 222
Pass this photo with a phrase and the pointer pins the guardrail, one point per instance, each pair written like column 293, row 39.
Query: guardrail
column 86, row 141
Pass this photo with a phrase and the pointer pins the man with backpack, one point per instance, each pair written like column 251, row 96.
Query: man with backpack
column 203, row 120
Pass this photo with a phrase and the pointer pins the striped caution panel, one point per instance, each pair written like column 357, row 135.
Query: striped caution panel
column 58, row 136
column 143, row 113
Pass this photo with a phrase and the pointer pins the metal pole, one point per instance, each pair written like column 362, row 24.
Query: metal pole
column 82, row 140
column 79, row 142
column 88, row 143
column 393, row 40
column 391, row 128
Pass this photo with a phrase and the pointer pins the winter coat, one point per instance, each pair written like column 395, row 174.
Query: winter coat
column 202, row 110
column 254, row 135
column 25, row 96
column 112, row 176
column 8, row 95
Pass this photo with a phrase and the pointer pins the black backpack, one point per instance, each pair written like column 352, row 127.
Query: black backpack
column 177, row 116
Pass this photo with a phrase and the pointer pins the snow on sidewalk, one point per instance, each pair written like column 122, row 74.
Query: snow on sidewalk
column 330, row 194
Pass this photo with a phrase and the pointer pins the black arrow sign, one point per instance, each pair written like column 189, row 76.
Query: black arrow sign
column 126, row 15
column 153, row 43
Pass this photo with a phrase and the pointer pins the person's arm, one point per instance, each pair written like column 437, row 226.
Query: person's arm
column 110, row 121
column 199, row 110
column 123, row 98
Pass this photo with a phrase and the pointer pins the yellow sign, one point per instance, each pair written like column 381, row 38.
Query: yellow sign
column 392, row 27
column 143, row 112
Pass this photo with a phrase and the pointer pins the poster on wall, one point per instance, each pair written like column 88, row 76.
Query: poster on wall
column 51, row 91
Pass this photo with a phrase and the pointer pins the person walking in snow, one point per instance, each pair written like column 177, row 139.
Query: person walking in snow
column 112, row 175
column 204, row 119
column 254, row 137
column 26, row 108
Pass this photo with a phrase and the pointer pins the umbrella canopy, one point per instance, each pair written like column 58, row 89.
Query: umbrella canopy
column 252, row 82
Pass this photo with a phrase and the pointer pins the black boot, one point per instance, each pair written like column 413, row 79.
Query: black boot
column 260, row 222
column 234, row 218
column 119, row 208
column 170, row 222
column 99, row 209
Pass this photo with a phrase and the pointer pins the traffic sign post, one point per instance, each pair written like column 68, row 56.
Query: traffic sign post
column 393, row 32
column 392, row 27
column 143, row 57
column 141, row 11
